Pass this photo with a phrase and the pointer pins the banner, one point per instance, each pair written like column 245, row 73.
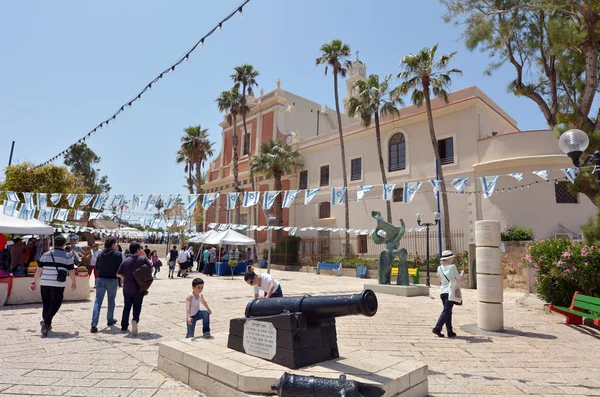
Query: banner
column 78, row 215
column 436, row 187
column 251, row 198
column 46, row 215
column 460, row 184
column 29, row 200
column 99, row 202
column 269, row 198
column 388, row 191
column 152, row 199
column 117, row 200
column 309, row 194
column 137, row 201
column 25, row 212
column 173, row 198
column 542, row 174
column 61, row 214
column 192, row 200
column 489, row 184
column 337, row 195
column 86, row 200
column 410, row 190
column 183, row 222
column 289, row 197
column 12, row 196
column 95, row 215
column 170, row 222
column 208, row 199
column 71, row 198
column 517, row 175
column 571, row 174
column 10, row 207
column 55, row 198
column 362, row 190
column 232, row 200
column 42, row 200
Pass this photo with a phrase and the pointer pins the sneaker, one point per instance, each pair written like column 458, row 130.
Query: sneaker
column 45, row 328
column 438, row 333
column 111, row 322
column 134, row 328
column 207, row 335
column 93, row 330
column 451, row 334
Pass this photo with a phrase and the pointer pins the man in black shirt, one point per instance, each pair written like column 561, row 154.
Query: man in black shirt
column 146, row 251
column 107, row 264
column 173, row 254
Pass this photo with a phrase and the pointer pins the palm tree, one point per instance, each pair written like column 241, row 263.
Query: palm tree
column 335, row 55
column 370, row 100
column 183, row 156
column 422, row 74
column 276, row 159
column 196, row 143
column 245, row 76
column 230, row 102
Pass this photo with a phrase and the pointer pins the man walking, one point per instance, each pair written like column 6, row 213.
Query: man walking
column 52, row 271
column 131, row 291
column 107, row 265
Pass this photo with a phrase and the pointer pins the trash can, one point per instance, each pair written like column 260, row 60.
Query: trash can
column 361, row 271
column 262, row 263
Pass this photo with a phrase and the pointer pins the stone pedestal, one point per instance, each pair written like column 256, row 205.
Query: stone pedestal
column 490, row 316
column 399, row 290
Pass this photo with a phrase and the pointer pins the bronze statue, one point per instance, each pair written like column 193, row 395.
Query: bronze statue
column 390, row 235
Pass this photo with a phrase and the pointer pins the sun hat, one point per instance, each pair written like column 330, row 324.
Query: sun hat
column 447, row 255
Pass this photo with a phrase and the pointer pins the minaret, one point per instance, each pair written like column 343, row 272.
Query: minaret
column 358, row 71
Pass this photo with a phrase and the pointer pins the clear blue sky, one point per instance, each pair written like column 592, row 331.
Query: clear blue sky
column 66, row 65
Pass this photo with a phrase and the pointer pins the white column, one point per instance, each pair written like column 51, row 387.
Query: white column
column 490, row 314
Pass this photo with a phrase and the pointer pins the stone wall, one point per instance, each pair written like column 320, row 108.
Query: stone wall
column 515, row 275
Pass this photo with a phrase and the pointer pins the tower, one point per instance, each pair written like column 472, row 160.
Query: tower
column 357, row 71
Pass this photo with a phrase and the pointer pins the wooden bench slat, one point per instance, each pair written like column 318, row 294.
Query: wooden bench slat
column 586, row 306
column 587, row 299
column 576, row 312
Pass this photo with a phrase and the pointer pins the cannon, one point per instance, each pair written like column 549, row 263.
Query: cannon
column 291, row 385
column 296, row 331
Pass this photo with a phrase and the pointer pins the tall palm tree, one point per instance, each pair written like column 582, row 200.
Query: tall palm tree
column 276, row 159
column 183, row 156
column 372, row 100
column 200, row 148
column 245, row 77
column 230, row 102
column 335, row 55
column 423, row 74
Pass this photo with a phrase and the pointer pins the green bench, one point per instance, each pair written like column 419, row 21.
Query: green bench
column 413, row 272
column 581, row 306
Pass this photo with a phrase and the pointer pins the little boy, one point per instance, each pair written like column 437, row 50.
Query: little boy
column 193, row 312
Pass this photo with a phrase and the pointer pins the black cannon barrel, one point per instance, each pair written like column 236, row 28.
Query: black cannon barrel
column 316, row 307
column 291, row 385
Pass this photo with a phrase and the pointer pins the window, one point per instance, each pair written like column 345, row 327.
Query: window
column 397, row 148
column 325, row 175
column 446, row 149
column 356, row 169
column 246, row 145
column 362, row 243
column 324, row 210
column 563, row 195
column 398, row 195
column 303, row 180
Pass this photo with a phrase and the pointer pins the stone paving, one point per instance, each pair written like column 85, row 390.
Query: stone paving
column 546, row 358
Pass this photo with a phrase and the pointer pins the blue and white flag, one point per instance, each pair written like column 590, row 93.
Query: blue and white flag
column 86, row 200
column 170, row 222
column 542, row 174
column 436, row 187
column 410, row 190
column 12, row 196
column 10, row 207
column 517, row 175
column 29, row 200
column 99, row 202
column 172, row 200
column 212, row 225
column 288, row 197
column 337, row 195
column 293, row 232
column 143, row 221
column 309, row 194
column 182, row 223
column 46, row 215
column 117, row 200
column 61, row 214
column 192, row 201
column 78, row 215
column 71, row 198
column 269, row 198
column 55, row 198
column 232, row 199
column 460, row 184
column 362, row 190
column 223, row 227
column 137, row 201
column 250, row 199
column 25, row 212
column 151, row 201
column 388, row 191
column 96, row 215
column 208, row 199
column 489, row 184
column 287, row 228
column 571, row 174
column 42, row 200
column 155, row 224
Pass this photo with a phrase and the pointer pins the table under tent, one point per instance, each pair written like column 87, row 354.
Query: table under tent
column 226, row 238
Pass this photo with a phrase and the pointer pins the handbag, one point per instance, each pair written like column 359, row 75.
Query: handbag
column 61, row 274
column 455, row 294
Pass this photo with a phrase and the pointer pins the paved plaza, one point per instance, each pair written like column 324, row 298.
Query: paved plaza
column 545, row 357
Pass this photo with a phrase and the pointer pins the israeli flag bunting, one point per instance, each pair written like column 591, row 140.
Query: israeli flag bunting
column 25, row 212
column 152, row 199
column 309, row 194
column 71, row 198
column 78, row 215
column 517, row 175
column 155, row 224
column 251, row 199
column 388, row 191
column 46, row 215
column 10, row 207
column 337, row 195
column 96, row 215
column 172, row 200
column 99, row 202
column 288, row 197
column 460, row 184
column 489, row 184
column 293, row 232
column 223, row 227
column 436, row 187
column 170, row 222
column 29, row 200
column 232, row 200
column 542, row 174
column 287, row 228
column 12, row 196
column 192, row 201
column 571, row 174
column 362, row 190
column 55, row 198
column 137, row 201
column 181, row 223
column 410, row 190
column 117, row 200
column 61, row 214
column 269, row 198
column 208, row 199
column 86, row 200
column 42, row 200
column 212, row 225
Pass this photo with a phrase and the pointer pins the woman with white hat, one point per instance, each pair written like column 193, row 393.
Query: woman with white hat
column 446, row 272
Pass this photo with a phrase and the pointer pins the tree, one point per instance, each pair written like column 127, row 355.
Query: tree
column 197, row 148
column 335, row 55
column 245, row 76
column 423, row 74
column 371, row 100
column 81, row 160
column 552, row 46
column 276, row 159
column 231, row 102
column 183, row 156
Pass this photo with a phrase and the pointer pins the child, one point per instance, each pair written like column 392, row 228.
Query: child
column 193, row 312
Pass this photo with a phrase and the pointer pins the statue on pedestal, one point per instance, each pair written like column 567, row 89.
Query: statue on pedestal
column 390, row 235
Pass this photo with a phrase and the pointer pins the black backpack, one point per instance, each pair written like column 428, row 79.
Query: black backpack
column 142, row 274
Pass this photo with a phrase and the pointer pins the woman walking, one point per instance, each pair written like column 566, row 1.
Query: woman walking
column 446, row 272
column 154, row 259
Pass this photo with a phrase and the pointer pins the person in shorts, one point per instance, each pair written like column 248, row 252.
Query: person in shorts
column 173, row 254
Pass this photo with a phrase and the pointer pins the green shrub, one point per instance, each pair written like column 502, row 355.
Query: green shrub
column 517, row 233
column 562, row 268
column 591, row 229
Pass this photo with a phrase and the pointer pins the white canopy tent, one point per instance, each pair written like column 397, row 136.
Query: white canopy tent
column 200, row 239
column 229, row 237
column 13, row 225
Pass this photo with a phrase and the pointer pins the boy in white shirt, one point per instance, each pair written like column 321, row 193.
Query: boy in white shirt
column 193, row 312
column 265, row 282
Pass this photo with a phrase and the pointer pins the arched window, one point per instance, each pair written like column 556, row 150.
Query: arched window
column 397, row 148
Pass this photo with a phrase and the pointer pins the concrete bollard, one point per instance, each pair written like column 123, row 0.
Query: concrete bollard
column 490, row 316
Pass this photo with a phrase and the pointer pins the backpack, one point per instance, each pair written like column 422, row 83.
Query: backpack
column 142, row 274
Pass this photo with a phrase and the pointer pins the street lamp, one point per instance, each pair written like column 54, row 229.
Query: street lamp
column 272, row 221
column 436, row 219
column 573, row 143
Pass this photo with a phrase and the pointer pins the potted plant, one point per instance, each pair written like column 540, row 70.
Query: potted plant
column 232, row 265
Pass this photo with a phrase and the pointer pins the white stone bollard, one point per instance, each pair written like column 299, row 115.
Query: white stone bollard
column 490, row 316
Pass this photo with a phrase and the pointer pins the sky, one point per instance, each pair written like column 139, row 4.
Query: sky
column 67, row 65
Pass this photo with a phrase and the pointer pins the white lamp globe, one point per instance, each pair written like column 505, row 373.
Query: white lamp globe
column 573, row 143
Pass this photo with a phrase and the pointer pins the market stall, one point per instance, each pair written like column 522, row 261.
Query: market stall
column 229, row 237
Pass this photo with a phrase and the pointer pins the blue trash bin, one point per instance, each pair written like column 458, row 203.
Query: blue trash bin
column 262, row 263
column 361, row 271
